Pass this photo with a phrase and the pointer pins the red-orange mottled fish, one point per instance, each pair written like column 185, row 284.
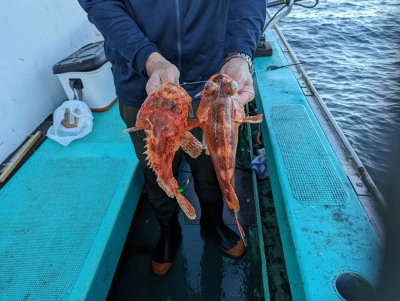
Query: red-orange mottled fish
column 163, row 117
column 220, row 113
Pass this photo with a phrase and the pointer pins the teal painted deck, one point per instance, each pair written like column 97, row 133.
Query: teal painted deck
column 324, row 229
column 65, row 214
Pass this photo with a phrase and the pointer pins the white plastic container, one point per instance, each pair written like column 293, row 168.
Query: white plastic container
column 86, row 75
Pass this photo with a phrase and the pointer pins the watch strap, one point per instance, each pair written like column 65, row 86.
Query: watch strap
column 245, row 56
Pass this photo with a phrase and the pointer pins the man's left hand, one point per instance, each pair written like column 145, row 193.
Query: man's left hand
column 238, row 69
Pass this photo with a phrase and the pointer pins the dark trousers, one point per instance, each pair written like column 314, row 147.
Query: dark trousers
column 205, row 180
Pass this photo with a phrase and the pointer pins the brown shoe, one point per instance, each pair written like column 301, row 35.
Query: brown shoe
column 163, row 256
column 160, row 269
column 214, row 228
column 237, row 251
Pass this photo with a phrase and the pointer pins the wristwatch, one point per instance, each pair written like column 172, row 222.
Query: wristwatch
column 242, row 55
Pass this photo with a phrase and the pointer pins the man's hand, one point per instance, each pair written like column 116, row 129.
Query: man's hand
column 160, row 71
column 238, row 69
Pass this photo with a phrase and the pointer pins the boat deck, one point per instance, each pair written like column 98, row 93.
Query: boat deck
column 65, row 214
column 201, row 271
column 329, row 242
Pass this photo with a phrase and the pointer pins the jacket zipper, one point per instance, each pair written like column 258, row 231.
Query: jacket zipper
column 178, row 26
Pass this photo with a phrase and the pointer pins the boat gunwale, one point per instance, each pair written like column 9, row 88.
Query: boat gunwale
column 370, row 198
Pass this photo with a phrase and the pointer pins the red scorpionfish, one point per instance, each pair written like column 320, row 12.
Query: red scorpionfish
column 163, row 117
column 220, row 114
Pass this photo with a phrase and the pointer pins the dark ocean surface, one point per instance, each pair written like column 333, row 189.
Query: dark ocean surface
column 352, row 50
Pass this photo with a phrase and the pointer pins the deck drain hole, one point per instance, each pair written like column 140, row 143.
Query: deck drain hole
column 354, row 287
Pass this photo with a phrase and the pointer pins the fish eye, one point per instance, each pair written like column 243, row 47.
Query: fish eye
column 171, row 106
column 210, row 87
column 234, row 85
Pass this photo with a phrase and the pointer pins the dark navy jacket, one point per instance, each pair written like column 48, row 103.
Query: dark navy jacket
column 193, row 35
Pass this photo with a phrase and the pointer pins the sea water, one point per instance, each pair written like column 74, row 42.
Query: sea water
column 352, row 50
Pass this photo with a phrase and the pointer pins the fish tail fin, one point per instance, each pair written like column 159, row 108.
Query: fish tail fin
column 239, row 227
column 232, row 199
column 186, row 206
column 164, row 186
column 171, row 189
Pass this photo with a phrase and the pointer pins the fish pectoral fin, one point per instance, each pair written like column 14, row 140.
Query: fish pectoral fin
column 185, row 205
column 192, row 123
column 204, row 144
column 132, row 129
column 190, row 113
column 253, row 119
column 191, row 145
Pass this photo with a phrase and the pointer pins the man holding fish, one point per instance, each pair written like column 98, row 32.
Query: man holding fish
column 154, row 46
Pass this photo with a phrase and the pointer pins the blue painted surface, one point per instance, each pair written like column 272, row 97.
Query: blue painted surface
column 65, row 214
column 324, row 229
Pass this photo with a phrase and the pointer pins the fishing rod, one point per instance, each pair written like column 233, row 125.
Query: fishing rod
column 280, row 2
column 289, row 5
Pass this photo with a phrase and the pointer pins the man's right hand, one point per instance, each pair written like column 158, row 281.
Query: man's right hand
column 160, row 71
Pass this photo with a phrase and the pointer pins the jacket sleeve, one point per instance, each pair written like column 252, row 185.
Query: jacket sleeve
column 244, row 25
column 120, row 31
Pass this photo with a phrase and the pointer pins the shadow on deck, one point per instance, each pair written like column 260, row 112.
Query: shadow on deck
column 200, row 271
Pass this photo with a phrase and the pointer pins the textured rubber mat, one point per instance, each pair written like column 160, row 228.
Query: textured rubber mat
column 42, row 253
column 310, row 171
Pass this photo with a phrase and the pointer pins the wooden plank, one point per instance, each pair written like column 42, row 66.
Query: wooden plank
column 8, row 170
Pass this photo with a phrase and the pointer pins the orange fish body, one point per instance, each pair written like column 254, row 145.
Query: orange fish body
column 220, row 115
column 163, row 117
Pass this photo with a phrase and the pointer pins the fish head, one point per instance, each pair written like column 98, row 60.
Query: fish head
column 165, row 111
column 219, row 92
column 221, row 85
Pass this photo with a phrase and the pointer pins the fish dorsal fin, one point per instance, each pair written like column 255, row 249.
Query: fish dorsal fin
column 190, row 145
